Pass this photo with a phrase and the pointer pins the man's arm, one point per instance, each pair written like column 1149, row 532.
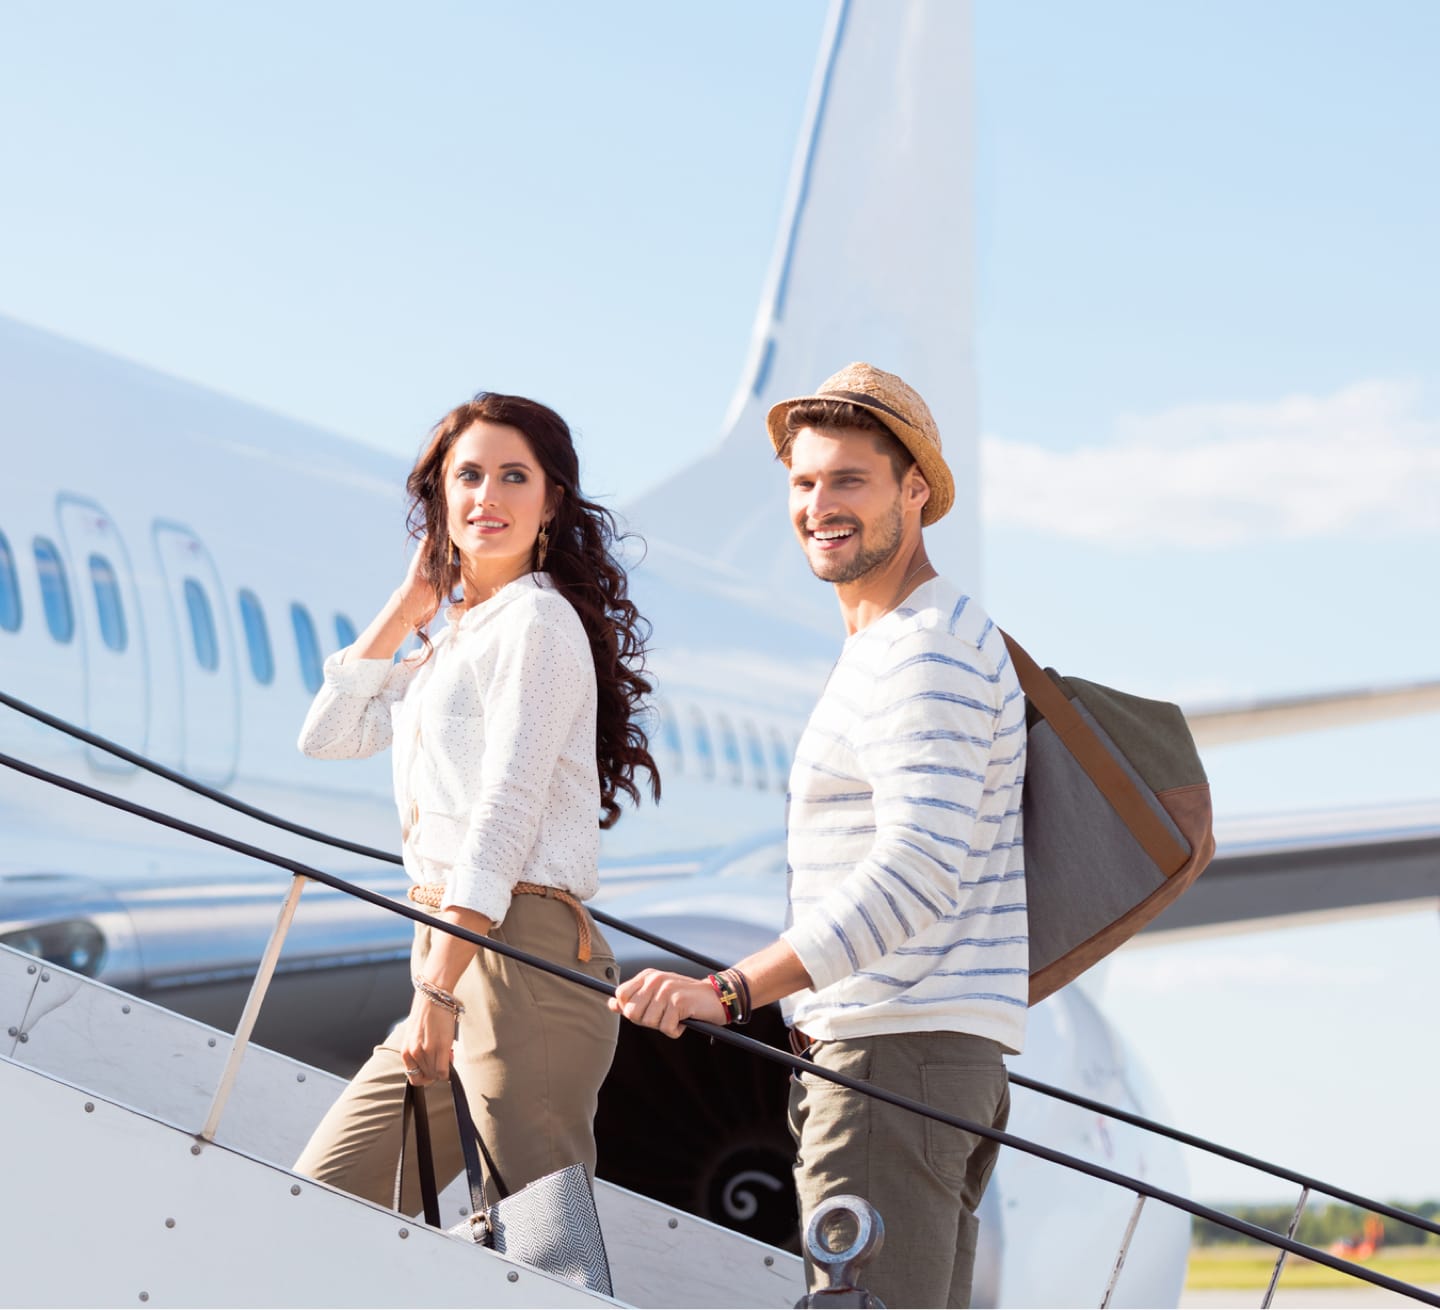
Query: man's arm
column 654, row 999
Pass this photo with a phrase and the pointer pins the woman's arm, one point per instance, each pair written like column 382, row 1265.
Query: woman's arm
column 350, row 716
column 430, row 1032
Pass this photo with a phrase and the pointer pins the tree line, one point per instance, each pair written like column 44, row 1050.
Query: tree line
column 1320, row 1224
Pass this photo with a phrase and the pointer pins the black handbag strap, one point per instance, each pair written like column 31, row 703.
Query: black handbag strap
column 424, row 1157
column 469, row 1138
column 414, row 1107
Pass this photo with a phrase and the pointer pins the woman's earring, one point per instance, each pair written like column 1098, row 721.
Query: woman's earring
column 542, row 544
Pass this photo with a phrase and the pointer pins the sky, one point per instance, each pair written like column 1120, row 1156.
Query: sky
column 1207, row 349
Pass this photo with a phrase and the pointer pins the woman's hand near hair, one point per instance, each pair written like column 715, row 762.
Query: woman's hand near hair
column 412, row 605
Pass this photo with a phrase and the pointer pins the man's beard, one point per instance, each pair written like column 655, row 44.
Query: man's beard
column 866, row 559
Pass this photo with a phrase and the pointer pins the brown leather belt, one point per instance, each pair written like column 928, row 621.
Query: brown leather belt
column 431, row 894
column 800, row 1042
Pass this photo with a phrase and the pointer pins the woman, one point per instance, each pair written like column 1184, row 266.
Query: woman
column 514, row 731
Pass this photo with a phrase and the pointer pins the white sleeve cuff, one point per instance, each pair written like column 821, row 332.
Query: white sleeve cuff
column 356, row 677
column 809, row 948
column 482, row 891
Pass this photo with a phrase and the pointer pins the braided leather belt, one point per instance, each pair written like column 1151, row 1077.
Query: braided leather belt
column 430, row 895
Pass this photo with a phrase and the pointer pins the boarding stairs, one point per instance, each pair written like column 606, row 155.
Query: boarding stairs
column 118, row 1197
column 152, row 1155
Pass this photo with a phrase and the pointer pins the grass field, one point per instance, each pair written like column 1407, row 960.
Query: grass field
column 1246, row 1266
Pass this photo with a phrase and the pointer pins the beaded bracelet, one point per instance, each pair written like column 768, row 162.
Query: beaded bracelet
column 732, row 989
column 438, row 996
column 745, row 993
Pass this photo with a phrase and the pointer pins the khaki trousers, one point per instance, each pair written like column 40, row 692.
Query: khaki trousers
column 925, row 1178
column 532, row 1051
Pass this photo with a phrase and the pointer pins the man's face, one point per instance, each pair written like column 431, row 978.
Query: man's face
column 845, row 502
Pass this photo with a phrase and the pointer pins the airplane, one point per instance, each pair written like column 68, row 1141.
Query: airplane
column 175, row 565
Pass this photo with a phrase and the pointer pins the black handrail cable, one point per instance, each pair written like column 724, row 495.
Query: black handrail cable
column 674, row 948
column 189, row 784
column 299, row 829
column 1214, row 1148
column 795, row 1063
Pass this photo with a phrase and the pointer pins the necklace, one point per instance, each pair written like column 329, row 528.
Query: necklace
column 900, row 590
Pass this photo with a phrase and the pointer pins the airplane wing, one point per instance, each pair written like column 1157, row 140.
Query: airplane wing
column 1305, row 868
column 1249, row 721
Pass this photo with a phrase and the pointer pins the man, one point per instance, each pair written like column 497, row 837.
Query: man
column 905, row 961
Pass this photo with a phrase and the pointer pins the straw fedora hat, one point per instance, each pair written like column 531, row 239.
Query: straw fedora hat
column 899, row 407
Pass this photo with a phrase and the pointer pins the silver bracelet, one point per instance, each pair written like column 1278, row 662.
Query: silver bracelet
column 438, row 996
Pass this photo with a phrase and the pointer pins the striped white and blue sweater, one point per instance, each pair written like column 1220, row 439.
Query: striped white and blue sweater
column 906, row 866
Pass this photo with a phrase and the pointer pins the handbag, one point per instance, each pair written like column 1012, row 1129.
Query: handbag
column 550, row 1224
column 1117, row 817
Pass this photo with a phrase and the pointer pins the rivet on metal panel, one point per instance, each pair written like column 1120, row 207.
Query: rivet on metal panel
column 404, row 1232
column 32, row 968
column 89, row 1107
column 769, row 1262
column 125, row 1009
column 299, row 1077
column 294, row 1189
column 144, row 1296
column 24, row 1037
column 169, row 1223
column 44, row 977
column 14, row 1032
column 212, row 1041
column 513, row 1276
column 195, row 1150
column 674, row 1223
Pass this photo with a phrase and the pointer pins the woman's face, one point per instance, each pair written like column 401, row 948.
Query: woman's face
column 495, row 500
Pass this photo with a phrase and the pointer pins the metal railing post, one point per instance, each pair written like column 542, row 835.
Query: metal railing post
column 1124, row 1248
column 1280, row 1263
column 256, row 999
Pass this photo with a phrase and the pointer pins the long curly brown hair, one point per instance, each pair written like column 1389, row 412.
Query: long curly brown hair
column 580, row 561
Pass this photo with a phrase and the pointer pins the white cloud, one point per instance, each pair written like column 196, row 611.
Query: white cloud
column 1305, row 467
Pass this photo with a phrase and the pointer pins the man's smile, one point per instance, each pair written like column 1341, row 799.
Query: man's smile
column 831, row 537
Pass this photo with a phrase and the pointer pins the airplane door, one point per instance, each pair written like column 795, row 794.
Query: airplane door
column 205, row 654
column 112, row 631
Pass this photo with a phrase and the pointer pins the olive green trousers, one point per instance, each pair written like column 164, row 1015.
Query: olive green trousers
column 925, row 1178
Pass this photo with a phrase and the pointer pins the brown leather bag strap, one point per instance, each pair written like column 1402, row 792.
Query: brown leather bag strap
column 1100, row 766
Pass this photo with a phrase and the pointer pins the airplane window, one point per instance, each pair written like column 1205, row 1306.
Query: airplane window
column 730, row 744
column 202, row 626
column 780, row 753
column 703, row 751
column 669, row 730
column 108, row 603
column 257, row 638
column 9, row 588
column 311, row 668
column 344, row 632
column 54, row 590
column 757, row 753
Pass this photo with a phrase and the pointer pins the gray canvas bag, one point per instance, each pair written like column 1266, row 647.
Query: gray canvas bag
column 1117, row 817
